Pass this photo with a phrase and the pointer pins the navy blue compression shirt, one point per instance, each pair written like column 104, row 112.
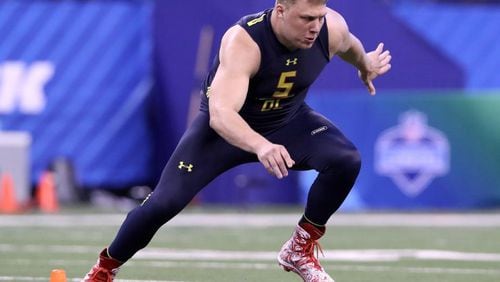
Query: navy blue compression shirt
column 278, row 89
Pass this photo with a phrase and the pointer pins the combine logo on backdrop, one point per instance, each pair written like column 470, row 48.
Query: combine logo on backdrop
column 22, row 86
column 412, row 153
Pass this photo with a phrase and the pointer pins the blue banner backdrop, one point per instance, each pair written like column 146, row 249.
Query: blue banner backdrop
column 423, row 150
column 76, row 75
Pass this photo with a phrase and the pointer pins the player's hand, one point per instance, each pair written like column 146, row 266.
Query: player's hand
column 275, row 159
column 379, row 63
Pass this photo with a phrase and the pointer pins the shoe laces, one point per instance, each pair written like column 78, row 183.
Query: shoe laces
column 312, row 250
column 315, row 247
column 309, row 250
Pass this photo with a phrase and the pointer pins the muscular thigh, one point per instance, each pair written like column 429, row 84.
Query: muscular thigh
column 200, row 156
column 313, row 141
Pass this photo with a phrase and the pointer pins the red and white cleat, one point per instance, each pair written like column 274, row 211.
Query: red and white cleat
column 297, row 255
column 104, row 270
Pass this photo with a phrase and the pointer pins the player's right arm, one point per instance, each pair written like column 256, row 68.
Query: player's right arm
column 239, row 60
column 343, row 43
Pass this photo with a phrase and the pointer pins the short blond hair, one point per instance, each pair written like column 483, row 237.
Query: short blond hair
column 291, row 2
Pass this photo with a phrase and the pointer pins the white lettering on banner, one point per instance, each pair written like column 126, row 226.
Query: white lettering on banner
column 22, row 86
column 412, row 154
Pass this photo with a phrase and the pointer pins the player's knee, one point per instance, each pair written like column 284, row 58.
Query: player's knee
column 353, row 162
column 162, row 210
column 347, row 161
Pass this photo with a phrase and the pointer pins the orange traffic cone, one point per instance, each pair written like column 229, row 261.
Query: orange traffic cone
column 58, row 275
column 8, row 201
column 46, row 194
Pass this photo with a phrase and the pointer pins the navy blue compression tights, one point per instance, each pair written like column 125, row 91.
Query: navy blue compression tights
column 312, row 141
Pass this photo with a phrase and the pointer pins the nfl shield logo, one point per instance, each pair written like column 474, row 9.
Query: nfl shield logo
column 412, row 153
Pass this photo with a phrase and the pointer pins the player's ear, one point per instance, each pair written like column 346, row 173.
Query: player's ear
column 278, row 9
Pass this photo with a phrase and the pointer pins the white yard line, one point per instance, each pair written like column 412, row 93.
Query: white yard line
column 216, row 259
column 334, row 268
column 329, row 255
column 422, row 270
column 347, row 268
column 369, row 255
column 472, row 220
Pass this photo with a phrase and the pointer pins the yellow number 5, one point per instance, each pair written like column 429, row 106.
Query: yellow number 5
column 286, row 86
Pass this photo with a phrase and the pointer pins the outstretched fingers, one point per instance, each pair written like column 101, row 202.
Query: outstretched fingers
column 384, row 62
column 379, row 63
column 385, row 68
column 385, row 57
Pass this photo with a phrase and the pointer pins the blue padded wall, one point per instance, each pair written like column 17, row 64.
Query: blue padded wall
column 76, row 75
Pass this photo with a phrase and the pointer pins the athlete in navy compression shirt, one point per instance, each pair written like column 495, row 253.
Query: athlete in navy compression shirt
column 253, row 110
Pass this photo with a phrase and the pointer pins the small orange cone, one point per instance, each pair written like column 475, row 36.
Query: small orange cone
column 58, row 275
column 46, row 194
column 8, row 201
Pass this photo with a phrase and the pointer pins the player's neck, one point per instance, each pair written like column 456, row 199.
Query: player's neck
column 277, row 30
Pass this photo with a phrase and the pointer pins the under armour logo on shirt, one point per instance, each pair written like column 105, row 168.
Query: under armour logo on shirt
column 188, row 167
column 290, row 61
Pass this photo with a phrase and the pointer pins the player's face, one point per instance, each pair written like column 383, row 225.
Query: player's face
column 302, row 22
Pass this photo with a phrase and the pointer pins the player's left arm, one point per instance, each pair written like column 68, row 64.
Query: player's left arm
column 348, row 47
column 240, row 57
